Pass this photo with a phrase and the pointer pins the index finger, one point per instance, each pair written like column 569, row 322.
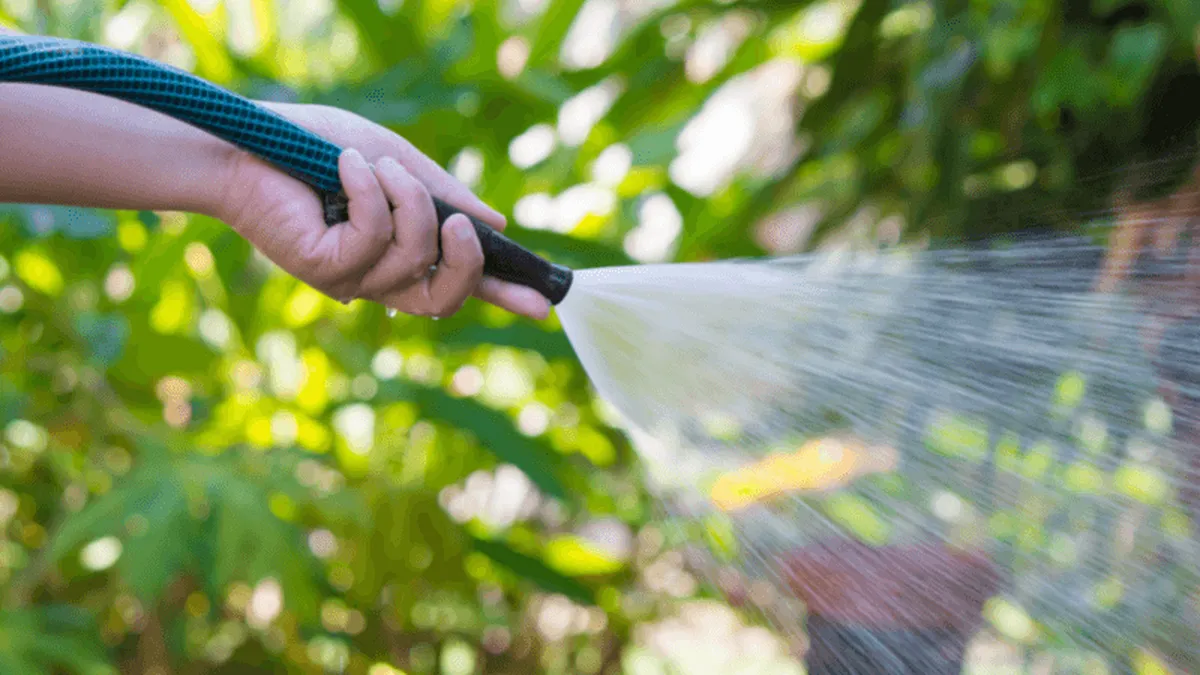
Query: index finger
column 513, row 297
column 445, row 186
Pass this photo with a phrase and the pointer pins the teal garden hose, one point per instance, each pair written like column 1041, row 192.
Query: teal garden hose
column 302, row 154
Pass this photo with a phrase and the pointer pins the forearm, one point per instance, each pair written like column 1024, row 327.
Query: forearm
column 61, row 146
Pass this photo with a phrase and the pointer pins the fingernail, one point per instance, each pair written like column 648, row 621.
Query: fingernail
column 462, row 230
column 355, row 157
column 389, row 164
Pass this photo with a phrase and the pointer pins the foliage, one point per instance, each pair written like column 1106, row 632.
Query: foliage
column 222, row 470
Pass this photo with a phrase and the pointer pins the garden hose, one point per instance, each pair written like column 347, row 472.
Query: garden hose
column 302, row 154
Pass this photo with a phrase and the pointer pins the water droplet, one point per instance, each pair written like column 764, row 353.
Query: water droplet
column 392, row 313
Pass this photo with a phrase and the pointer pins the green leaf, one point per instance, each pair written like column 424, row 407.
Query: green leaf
column 656, row 146
column 49, row 640
column 534, row 570
column 391, row 39
column 520, row 335
column 552, row 27
column 544, row 86
column 1133, row 57
column 1067, row 80
column 158, row 551
column 203, row 515
column 497, row 434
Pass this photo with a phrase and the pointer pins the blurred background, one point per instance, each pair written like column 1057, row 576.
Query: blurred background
column 207, row 467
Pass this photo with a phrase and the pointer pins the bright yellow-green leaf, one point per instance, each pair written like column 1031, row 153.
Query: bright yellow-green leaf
column 1143, row 483
column 174, row 309
column 575, row 556
column 314, row 393
column 132, row 235
column 816, row 32
column 1037, row 461
column 595, row 446
column 1010, row 619
column 1070, row 389
column 258, row 431
column 1084, row 477
column 303, row 306
column 212, row 57
column 957, row 436
column 39, row 272
column 1008, row 453
column 856, row 515
column 641, row 179
column 721, row 536
column 265, row 20
column 282, row 506
column 1145, row 663
column 1176, row 524
column 1109, row 592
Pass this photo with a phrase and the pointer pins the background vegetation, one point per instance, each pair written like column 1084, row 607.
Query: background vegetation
column 208, row 467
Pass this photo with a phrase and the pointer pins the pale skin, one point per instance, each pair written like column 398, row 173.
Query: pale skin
column 83, row 149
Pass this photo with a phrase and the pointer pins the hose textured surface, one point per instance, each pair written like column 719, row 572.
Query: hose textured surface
column 235, row 119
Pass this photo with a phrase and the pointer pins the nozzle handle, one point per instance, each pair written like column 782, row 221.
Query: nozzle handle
column 507, row 260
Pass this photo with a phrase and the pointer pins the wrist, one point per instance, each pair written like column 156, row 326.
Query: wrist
column 223, row 200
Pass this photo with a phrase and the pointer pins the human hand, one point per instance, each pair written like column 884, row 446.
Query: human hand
column 384, row 252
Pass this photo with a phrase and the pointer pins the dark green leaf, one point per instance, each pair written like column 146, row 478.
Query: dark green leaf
column 496, row 432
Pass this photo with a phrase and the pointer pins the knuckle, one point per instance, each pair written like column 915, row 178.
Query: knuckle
column 412, row 269
column 381, row 236
column 318, row 270
column 427, row 258
column 413, row 196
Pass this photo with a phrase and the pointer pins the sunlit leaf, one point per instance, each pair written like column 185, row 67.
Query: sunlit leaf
column 212, row 58
column 576, row 557
column 858, row 517
column 534, row 570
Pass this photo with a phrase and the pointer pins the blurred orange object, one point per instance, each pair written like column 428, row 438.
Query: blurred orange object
column 820, row 464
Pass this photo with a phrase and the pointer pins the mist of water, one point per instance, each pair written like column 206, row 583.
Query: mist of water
column 919, row 452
